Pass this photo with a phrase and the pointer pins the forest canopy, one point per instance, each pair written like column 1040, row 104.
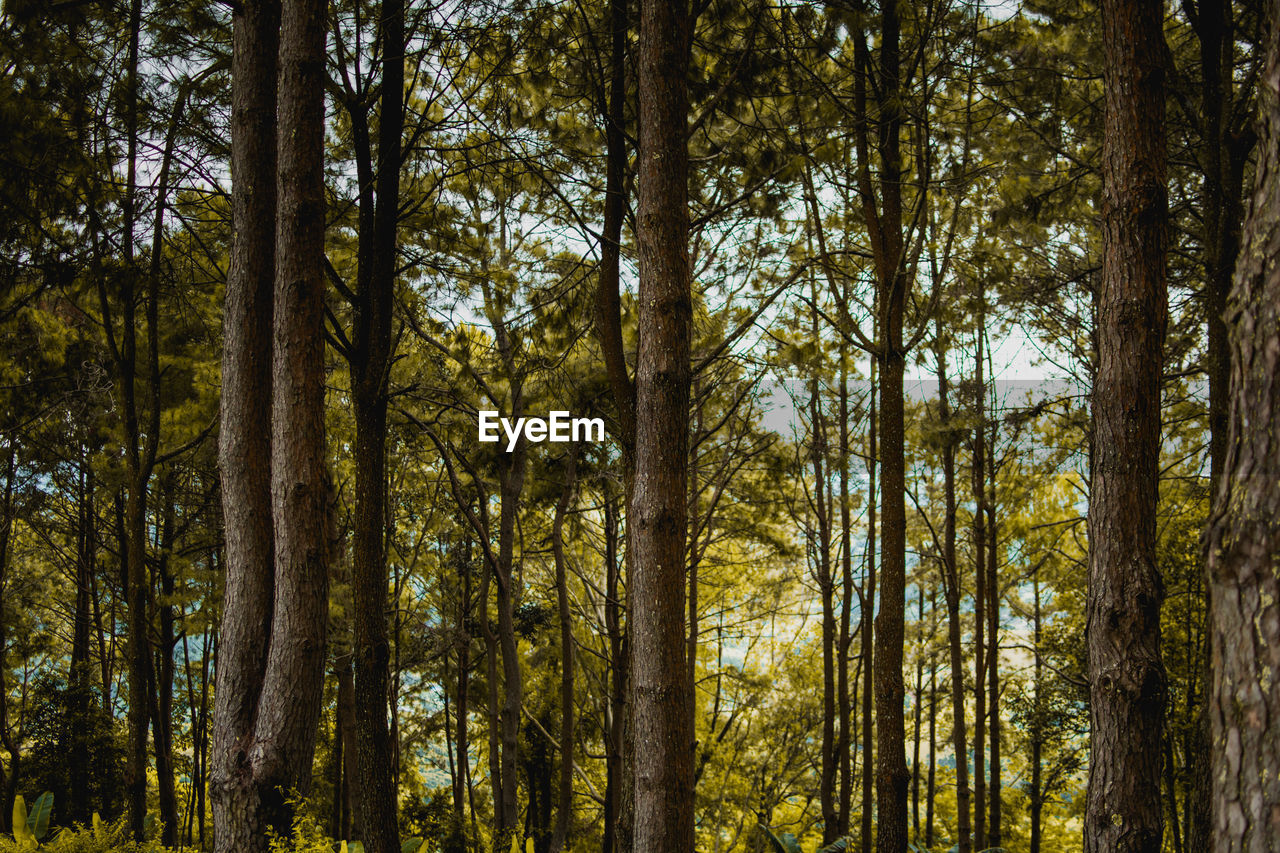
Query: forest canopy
column 639, row 425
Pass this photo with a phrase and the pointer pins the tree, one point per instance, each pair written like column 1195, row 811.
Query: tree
column 272, row 670
column 245, row 447
column 370, row 357
column 1127, row 678
column 659, row 677
column 1243, row 538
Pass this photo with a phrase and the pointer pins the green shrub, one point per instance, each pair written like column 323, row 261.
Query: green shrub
column 104, row 838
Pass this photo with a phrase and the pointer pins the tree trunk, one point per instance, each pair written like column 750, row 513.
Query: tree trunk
column 868, row 625
column 11, row 744
column 993, row 646
column 244, row 458
column 1127, row 678
column 1222, row 164
column 892, row 776
column 844, row 741
column 289, row 710
column 1243, row 536
column 352, row 826
column 493, row 712
column 619, row 809
column 951, row 590
column 80, row 677
column 663, row 727
column 137, row 467
column 1035, row 795
column 916, row 720
column 564, row 807
column 162, row 720
column 826, row 588
column 931, row 786
column 511, row 476
column 980, row 587
column 464, row 682
column 268, row 711
column 370, row 363
column 615, row 770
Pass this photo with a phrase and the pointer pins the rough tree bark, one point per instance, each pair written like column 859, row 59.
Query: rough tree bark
column 1127, row 679
column 663, row 726
column 370, row 363
column 1224, row 151
column 883, row 216
column 271, row 669
column 244, row 458
column 289, row 708
column 1243, row 535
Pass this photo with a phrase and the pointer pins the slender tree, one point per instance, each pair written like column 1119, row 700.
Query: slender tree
column 1127, row 682
column 663, row 727
column 370, row 363
column 245, row 446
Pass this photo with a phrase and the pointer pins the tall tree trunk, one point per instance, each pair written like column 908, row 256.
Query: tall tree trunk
column 136, row 465
column 993, row 647
column 244, row 457
column 1222, row 163
column 493, row 711
column 868, row 625
column 916, row 719
column 844, row 740
column 10, row 743
column 370, row 363
column 80, row 677
column 892, row 776
column 349, row 817
column 301, row 494
column 1035, row 795
column 1243, row 536
column 951, row 590
column 979, row 483
column 892, row 284
column 931, row 787
column 616, row 830
column 564, row 806
column 826, row 588
column 1127, row 678
column 511, row 475
column 162, row 720
column 663, row 726
column 271, row 673
column 620, row 806
column 463, row 646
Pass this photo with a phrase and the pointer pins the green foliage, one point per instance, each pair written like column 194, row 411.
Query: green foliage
column 38, row 819
column 784, row 843
column 72, row 735
column 101, row 837
column 22, row 834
